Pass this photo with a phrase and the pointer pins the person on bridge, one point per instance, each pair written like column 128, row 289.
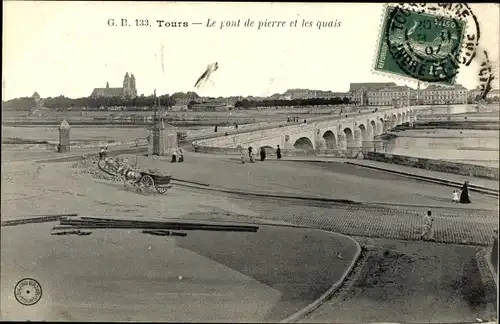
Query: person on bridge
column 181, row 156
column 262, row 154
column 456, row 197
column 464, row 196
column 428, row 233
column 278, row 152
column 174, row 156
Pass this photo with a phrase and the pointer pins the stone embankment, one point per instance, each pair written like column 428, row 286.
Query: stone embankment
column 472, row 170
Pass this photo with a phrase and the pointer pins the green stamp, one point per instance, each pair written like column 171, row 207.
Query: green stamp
column 420, row 45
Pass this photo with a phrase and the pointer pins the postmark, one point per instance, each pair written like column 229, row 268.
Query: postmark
column 486, row 77
column 427, row 42
column 28, row 291
column 420, row 45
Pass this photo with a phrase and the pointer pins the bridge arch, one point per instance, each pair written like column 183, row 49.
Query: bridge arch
column 349, row 138
column 365, row 135
column 330, row 140
column 303, row 143
column 383, row 125
column 268, row 148
column 374, row 128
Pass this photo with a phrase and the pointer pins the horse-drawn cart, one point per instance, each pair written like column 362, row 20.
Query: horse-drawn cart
column 139, row 179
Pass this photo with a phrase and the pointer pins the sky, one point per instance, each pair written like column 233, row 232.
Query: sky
column 68, row 48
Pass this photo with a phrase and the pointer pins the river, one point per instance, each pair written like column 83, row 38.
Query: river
column 480, row 147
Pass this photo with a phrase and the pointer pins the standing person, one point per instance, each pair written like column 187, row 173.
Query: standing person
column 428, row 233
column 250, row 154
column 262, row 154
column 278, row 152
column 174, row 156
column 101, row 153
column 464, row 196
column 181, row 156
column 215, row 130
column 105, row 151
column 456, row 197
column 242, row 156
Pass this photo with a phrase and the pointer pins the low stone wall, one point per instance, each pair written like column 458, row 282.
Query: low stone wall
column 284, row 153
column 436, row 165
column 28, row 147
column 53, row 146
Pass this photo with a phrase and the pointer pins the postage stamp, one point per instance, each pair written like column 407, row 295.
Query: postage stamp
column 420, row 45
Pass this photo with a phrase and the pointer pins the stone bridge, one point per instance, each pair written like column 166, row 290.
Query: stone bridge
column 353, row 132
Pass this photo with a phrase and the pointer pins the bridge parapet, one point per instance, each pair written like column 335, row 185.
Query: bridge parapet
column 356, row 132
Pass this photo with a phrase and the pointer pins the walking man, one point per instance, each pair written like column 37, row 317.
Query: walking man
column 428, row 233
column 278, row 152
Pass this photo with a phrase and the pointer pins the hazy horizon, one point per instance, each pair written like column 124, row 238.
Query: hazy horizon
column 72, row 50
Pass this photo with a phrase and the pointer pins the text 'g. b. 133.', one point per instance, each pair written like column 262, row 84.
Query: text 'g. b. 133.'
column 127, row 22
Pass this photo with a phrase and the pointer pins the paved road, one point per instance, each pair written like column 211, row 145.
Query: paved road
column 122, row 275
column 338, row 181
column 57, row 188
column 486, row 183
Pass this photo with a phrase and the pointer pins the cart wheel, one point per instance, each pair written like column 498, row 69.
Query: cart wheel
column 162, row 190
column 147, row 181
column 102, row 164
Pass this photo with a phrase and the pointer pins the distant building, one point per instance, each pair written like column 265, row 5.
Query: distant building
column 309, row 94
column 358, row 92
column 36, row 104
column 208, row 106
column 440, row 95
column 353, row 87
column 387, row 96
column 129, row 89
column 493, row 94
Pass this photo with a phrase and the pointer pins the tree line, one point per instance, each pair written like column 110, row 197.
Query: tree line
column 27, row 103
column 246, row 104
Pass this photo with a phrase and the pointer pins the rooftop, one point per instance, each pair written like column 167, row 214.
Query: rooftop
column 109, row 91
column 440, row 87
column 371, row 85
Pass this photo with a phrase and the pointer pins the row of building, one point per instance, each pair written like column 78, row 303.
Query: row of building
column 389, row 93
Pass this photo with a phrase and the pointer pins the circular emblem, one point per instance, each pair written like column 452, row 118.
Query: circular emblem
column 28, row 292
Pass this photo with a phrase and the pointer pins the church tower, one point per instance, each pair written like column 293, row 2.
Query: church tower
column 133, row 89
column 126, row 85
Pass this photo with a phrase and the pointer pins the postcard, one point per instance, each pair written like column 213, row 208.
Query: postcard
column 250, row 162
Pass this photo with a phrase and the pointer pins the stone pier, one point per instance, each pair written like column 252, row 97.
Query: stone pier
column 64, row 138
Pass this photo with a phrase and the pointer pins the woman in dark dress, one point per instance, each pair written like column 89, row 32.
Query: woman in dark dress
column 278, row 152
column 464, row 196
column 262, row 154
